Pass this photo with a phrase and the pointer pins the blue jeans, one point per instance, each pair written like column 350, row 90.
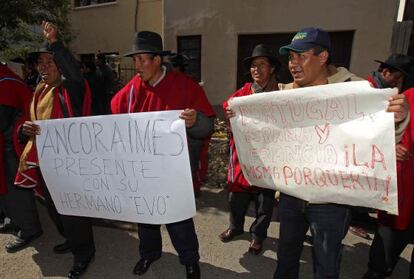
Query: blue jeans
column 328, row 224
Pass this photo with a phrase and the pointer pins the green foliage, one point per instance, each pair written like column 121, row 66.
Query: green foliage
column 20, row 21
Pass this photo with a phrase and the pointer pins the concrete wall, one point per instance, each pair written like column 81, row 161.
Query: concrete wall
column 221, row 21
column 110, row 27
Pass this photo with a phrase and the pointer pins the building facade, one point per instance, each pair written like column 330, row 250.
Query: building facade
column 107, row 26
column 216, row 35
column 228, row 30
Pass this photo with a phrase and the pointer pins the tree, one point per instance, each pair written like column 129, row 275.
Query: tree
column 19, row 21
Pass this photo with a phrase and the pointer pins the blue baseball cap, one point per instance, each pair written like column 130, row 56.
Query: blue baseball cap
column 306, row 39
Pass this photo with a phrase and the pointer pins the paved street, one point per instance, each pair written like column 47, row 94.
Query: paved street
column 117, row 251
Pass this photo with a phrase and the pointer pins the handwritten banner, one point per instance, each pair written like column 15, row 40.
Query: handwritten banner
column 331, row 143
column 130, row 167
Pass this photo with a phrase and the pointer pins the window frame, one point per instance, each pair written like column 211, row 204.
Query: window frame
column 194, row 63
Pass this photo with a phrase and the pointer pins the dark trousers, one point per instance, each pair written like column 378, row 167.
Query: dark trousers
column 183, row 237
column 328, row 224
column 264, row 201
column 385, row 251
column 77, row 230
column 19, row 204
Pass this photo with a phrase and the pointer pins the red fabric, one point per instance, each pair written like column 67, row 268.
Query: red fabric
column 372, row 81
column 203, row 168
column 235, row 178
column 87, row 100
column 15, row 94
column 175, row 92
column 31, row 177
column 405, row 178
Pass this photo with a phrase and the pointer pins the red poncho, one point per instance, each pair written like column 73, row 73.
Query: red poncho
column 235, row 178
column 405, row 177
column 14, row 93
column 45, row 104
column 176, row 91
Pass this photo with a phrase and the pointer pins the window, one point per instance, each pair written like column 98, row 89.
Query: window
column 83, row 3
column 190, row 46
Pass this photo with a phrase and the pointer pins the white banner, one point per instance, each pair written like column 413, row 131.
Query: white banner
column 129, row 167
column 331, row 143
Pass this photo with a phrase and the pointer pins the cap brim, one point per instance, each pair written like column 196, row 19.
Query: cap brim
column 162, row 53
column 285, row 49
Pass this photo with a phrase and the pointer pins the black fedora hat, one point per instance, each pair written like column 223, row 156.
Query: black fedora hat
column 399, row 62
column 262, row 51
column 147, row 42
column 44, row 48
column 178, row 59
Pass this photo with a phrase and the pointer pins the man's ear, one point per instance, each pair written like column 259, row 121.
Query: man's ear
column 323, row 57
column 158, row 60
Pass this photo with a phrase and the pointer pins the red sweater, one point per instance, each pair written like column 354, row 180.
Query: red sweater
column 405, row 178
column 235, row 178
column 13, row 93
column 176, row 91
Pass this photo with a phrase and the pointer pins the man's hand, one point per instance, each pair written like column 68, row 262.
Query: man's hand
column 399, row 105
column 229, row 113
column 30, row 129
column 402, row 153
column 189, row 116
column 50, row 31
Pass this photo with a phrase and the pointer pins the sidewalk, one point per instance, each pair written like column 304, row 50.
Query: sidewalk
column 117, row 251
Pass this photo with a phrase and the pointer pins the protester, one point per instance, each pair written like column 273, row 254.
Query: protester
column 179, row 62
column 18, row 204
column 309, row 65
column 263, row 67
column 156, row 88
column 107, row 79
column 391, row 72
column 31, row 75
column 62, row 93
column 394, row 232
column 98, row 94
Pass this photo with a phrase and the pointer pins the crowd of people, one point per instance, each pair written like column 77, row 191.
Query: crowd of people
column 58, row 87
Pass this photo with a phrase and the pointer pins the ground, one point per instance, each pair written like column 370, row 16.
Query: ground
column 117, row 251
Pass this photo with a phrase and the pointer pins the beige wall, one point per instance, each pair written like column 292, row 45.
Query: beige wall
column 221, row 21
column 110, row 27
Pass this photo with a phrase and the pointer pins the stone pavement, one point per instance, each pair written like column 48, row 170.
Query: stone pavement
column 117, row 251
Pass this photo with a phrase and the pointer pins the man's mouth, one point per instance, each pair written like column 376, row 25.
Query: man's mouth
column 296, row 73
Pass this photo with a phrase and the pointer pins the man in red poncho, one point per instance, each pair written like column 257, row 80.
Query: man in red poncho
column 18, row 204
column 62, row 93
column 395, row 232
column 391, row 72
column 263, row 67
column 157, row 88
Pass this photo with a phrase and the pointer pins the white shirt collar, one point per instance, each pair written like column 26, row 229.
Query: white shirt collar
column 164, row 72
